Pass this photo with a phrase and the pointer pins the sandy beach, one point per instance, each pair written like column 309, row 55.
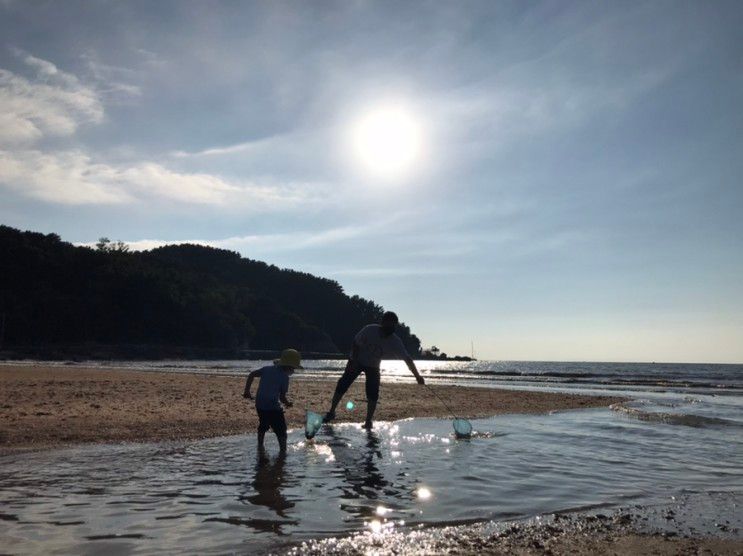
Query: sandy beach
column 45, row 406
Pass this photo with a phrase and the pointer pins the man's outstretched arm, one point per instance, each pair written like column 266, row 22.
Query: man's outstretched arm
column 411, row 365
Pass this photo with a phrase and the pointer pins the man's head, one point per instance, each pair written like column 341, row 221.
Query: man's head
column 389, row 323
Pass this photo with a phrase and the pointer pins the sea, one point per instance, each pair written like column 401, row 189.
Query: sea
column 679, row 435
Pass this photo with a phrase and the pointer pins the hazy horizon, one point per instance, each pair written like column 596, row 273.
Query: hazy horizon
column 553, row 182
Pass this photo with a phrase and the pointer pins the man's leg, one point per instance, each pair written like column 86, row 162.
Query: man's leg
column 344, row 383
column 372, row 395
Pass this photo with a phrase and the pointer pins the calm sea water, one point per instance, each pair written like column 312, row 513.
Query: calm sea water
column 693, row 377
column 682, row 432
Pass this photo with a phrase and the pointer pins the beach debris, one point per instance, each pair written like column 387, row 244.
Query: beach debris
column 350, row 405
column 312, row 424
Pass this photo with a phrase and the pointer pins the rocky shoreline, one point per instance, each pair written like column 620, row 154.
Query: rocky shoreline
column 704, row 523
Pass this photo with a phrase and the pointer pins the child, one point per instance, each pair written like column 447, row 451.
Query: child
column 273, row 387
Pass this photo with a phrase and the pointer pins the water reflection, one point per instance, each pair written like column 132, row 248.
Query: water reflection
column 270, row 480
column 373, row 484
column 219, row 496
column 363, row 479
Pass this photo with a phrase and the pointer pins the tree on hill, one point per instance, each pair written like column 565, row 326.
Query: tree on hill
column 105, row 244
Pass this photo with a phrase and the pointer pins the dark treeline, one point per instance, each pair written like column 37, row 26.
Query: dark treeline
column 56, row 298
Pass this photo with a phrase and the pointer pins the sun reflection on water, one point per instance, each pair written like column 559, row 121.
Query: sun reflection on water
column 381, row 510
column 423, row 493
column 375, row 525
column 325, row 451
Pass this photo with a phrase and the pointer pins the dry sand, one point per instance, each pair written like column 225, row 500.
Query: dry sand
column 43, row 406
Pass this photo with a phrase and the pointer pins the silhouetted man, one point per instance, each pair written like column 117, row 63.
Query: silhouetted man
column 373, row 343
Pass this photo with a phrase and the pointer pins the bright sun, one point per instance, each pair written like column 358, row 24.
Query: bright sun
column 388, row 143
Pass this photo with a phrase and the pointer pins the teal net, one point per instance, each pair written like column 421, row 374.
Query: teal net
column 462, row 428
column 312, row 424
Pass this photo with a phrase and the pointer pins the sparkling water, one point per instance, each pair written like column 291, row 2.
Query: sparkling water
column 220, row 495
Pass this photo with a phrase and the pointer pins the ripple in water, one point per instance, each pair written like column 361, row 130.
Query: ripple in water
column 219, row 495
column 659, row 412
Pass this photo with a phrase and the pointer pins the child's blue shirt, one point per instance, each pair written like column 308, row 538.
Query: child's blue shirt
column 273, row 384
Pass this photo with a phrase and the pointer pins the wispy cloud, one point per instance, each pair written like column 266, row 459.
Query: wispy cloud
column 74, row 178
column 56, row 103
column 263, row 243
column 68, row 177
column 396, row 272
column 236, row 148
column 482, row 117
column 294, row 241
column 52, row 103
column 112, row 81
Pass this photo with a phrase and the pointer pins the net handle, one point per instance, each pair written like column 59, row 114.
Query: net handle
column 442, row 401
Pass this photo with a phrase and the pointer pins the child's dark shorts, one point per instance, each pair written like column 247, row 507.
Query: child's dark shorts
column 272, row 419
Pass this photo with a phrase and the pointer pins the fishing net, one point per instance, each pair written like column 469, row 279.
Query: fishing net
column 462, row 428
column 312, row 424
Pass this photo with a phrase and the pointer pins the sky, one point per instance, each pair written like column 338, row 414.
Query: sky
column 542, row 180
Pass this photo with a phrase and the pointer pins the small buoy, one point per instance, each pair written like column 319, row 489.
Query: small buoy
column 350, row 405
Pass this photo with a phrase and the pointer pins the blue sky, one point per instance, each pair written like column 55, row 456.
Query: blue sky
column 577, row 195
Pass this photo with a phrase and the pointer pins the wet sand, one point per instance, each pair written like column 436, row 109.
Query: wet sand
column 44, row 407
column 577, row 534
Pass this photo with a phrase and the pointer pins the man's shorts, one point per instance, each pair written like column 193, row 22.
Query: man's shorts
column 272, row 419
column 372, row 380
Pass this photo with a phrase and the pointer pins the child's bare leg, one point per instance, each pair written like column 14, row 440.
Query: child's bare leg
column 261, row 436
column 279, row 428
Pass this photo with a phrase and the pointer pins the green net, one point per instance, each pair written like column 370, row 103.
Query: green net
column 462, row 428
column 312, row 424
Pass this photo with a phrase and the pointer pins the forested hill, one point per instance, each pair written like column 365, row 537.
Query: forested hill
column 191, row 300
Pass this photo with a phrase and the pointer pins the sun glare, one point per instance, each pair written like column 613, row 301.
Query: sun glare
column 387, row 142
